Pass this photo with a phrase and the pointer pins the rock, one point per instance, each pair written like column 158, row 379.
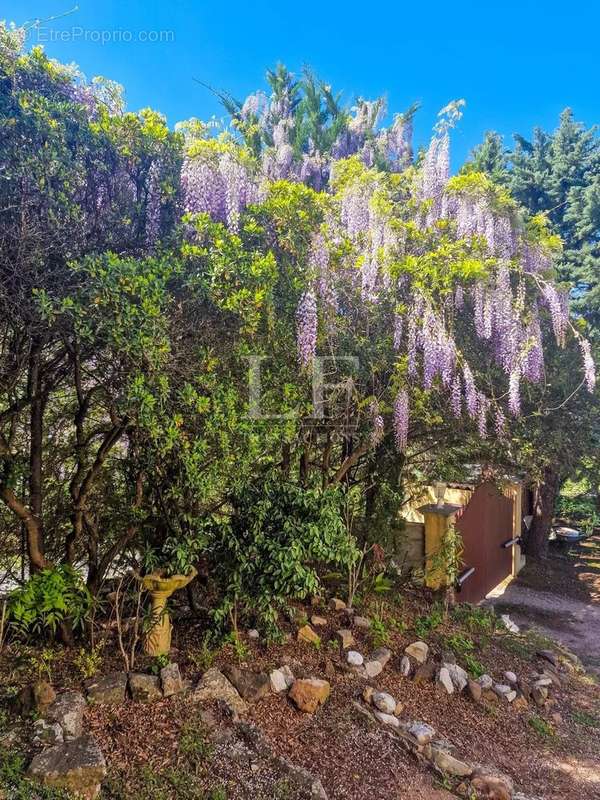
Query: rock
column 43, row 695
column 539, row 695
column 309, row 693
column 485, row 681
column 252, row 686
column 383, row 655
column 367, row 694
column 550, row 673
column 107, row 689
column 520, row 703
column 489, row 784
column 474, row 690
column 501, row 690
column 77, row 766
column 490, row 696
column 278, row 681
column 335, row 604
column 510, row 677
column 458, row 676
column 306, row 634
column 345, row 638
column 373, row 668
column 509, row 624
column 525, row 689
column 213, row 685
column 421, row 732
column 418, row 650
column 354, row 658
column 47, row 734
column 405, row 666
column 384, row 702
column 318, row 622
column 512, row 695
column 557, row 718
column 362, row 622
column 447, row 763
column 549, row 656
column 425, row 673
column 171, row 680
column 399, row 708
column 68, row 710
column 444, row 681
column 387, row 719
column 144, row 688
column 253, row 634
column 544, row 681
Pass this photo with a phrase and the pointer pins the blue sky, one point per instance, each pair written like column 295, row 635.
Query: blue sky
column 517, row 64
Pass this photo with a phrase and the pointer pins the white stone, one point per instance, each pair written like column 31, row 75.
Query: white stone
column 509, row 624
column 458, row 676
column 253, row 634
column 288, row 675
column 387, row 719
column 510, row 677
column 384, row 702
column 445, row 681
column 511, row 696
column 501, row 689
column 405, row 666
column 354, row 658
column 418, row 650
column 278, row 682
column 373, row 668
column 485, row 681
column 422, row 732
column 382, row 654
column 361, row 622
column 543, row 682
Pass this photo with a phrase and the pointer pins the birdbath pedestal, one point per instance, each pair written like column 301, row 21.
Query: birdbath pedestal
column 157, row 641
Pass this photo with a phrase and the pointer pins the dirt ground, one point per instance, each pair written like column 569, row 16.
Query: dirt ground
column 561, row 598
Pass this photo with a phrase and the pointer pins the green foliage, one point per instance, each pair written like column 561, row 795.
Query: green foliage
column 203, row 657
column 88, row 661
column 41, row 661
column 268, row 552
column 425, row 625
column 586, row 719
column 159, row 662
column 49, row 598
column 477, row 620
column 541, row 727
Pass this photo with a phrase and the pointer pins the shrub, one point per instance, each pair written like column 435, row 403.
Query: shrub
column 270, row 549
column 49, row 598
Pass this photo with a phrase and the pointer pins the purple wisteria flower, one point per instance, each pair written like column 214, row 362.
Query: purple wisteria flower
column 401, row 420
column 306, row 327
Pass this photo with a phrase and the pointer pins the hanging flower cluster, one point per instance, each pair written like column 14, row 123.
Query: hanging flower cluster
column 219, row 185
column 507, row 300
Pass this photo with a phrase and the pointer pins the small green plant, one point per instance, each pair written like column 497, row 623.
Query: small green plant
column 460, row 644
column 380, row 634
column 49, row 598
column 88, row 661
column 203, row 657
column 425, row 625
column 477, row 620
column 584, row 718
column 158, row 663
column 42, row 663
column 475, row 667
column 541, row 727
column 240, row 648
column 194, row 745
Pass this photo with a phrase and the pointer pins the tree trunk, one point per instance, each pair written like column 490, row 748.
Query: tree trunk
column 544, row 498
column 35, row 532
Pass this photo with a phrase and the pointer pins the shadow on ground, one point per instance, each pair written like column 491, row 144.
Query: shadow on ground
column 560, row 597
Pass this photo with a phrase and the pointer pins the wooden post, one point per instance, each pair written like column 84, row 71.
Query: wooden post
column 438, row 518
